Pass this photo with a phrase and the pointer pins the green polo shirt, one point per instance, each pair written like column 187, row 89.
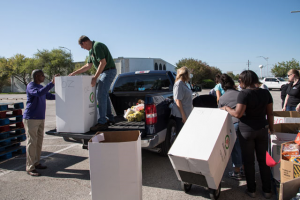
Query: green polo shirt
column 98, row 52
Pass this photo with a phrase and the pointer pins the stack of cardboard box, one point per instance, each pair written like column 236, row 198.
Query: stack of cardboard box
column 286, row 126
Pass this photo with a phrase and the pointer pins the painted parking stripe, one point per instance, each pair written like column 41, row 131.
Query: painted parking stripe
column 54, row 138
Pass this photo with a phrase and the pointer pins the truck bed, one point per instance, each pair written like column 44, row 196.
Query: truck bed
column 120, row 125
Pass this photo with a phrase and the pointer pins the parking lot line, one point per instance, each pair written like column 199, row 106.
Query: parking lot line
column 53, row 138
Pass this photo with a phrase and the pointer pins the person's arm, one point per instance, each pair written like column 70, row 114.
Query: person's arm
column 38, row 92
column 270, row 117
column 218, row 93
column 83, row 69
column 179, row 105
column 285, row 102
column 41, row 91
column 237, row 112
column 100, row 69
column 50, row 96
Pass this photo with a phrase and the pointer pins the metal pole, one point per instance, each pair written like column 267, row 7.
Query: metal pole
column 248, row 63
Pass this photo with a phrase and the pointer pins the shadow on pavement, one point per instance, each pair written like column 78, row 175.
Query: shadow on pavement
column 59, row 166
column 159, row 173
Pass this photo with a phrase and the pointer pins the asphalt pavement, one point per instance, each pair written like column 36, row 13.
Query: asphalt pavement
column 67, row 176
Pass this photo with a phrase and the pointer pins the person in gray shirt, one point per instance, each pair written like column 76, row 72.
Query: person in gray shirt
column 229, row 98
column 182, row 95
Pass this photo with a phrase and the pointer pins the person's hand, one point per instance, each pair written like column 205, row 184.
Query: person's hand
column 184, row 119
column 72, row 74
column 298, row 108
column 284, row 108
column 94, row 81
column 271, row 132
column 53, row 79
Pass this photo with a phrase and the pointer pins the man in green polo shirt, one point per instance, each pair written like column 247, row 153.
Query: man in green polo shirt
column 101, row 59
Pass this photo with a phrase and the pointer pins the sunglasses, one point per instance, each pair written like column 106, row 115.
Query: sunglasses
column 239, row 81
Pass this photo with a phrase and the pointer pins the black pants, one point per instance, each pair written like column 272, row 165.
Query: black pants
column 179, row 123
column 251, row 142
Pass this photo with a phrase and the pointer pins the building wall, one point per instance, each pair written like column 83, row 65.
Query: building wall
column 140, row 64
column 124, row 65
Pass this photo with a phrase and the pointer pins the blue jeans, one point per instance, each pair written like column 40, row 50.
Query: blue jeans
column 236, row 154
column 290, row 108
column 104, row 83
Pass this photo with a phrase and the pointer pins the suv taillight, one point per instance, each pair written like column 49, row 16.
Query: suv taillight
column 151, row 114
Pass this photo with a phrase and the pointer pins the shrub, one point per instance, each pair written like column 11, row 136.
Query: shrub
column 208, row 83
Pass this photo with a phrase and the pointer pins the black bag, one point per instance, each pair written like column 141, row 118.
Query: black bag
column 206, row 101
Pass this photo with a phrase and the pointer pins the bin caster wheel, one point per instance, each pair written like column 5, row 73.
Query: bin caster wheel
column 186, row 187
column 214, row 194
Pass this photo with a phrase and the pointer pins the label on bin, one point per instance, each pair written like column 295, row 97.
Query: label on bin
column 92, row 97
column 227, row 141
column 296, row 171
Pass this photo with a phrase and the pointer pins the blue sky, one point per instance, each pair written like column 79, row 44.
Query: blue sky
column 225, row 34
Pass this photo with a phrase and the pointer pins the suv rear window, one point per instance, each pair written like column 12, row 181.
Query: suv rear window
column 145, row 82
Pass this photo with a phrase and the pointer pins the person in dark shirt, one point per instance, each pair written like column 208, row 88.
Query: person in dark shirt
column 292, row 98
column 283, row 92
column 34, row 120
column 253, row 105
column 229, row 98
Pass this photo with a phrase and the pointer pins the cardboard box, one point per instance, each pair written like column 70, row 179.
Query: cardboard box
column 286, row 117
column 283, row 133
column 75, row 104
column 203, row 147
column 116, row 166
column 289, row 189
column 288, row 170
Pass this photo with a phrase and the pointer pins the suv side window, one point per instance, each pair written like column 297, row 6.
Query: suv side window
column 267, row 79
column 147, row 82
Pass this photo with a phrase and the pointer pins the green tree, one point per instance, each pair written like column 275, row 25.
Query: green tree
column 4, row 76
column 19, row 67
column 214, row 72
column 231, row 75
column 281, row 68
column 200, row 70
column 236, row 77
column 56, row 61
column 92, row 71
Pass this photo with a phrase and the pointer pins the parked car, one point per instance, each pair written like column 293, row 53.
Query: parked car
column 274, row 82
column 158, row 130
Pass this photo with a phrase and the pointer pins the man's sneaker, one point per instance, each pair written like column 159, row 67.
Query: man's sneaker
column 109, row 123
column 267, row 195
column 251, row 194
column 99, row 127
column 234, row 175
